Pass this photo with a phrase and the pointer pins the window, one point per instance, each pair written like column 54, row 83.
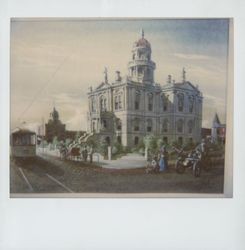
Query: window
column 119, row 124
column 103, row 103
column 165, row 126
column 191, row 103
column 108, row 140
column 149, row 125
column 180, row 126
column 104, row 123
column 24, row 139
column 136, row 140
column 93, row 127
column 137, row 100
column 120, row 101
column 180, row 102
column 93, row 105
column 150, row 102
column 190, row 126
column 136, row 124
column 164, row 102
column 116, row 103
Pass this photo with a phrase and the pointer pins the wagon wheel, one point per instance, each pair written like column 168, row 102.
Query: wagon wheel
column 180, row 169
column 197, row 169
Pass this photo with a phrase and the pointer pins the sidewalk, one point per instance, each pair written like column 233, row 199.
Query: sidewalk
column 129, row 161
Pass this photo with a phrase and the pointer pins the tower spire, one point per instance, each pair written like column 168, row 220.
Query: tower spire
column 142, row 33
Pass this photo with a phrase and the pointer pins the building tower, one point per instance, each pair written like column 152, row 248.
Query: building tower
column 141, row 67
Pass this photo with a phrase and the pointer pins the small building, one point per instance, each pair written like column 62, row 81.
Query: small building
column 54, row 127
column 218, row 130
column 206, row 132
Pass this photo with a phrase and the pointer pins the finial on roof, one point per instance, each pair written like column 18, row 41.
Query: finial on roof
column 169, row 78
column 184, row 75
column 142, row 33
column 106, row 77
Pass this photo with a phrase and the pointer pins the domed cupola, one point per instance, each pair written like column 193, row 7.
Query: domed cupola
column 141, row 68
column 55, row 115
column 142, row 42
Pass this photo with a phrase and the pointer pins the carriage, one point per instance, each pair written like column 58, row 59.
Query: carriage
column 23, row 144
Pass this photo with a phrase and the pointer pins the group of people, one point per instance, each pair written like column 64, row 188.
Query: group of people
column 76, row 151
column 159, row 162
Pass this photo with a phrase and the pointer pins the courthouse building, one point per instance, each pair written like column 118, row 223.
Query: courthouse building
column 129, row 108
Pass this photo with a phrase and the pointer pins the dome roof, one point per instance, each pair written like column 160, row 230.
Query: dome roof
column 142, row 42
column 55, row 114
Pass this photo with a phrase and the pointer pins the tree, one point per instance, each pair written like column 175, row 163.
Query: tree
column 150, row 143
column 77, row 136
column 160, row 143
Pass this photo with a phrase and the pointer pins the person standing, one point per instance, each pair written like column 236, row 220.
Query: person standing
column 91, row 154
column 85, row 154
column 161, row 162
column 166, row 156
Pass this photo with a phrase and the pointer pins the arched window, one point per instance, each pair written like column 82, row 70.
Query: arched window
column 180, row 102
column 190, row 126
column 180, row 126
column 120, row 101
column 164, row 99
column 165, row 126
column 116, row 103
column 150, row 102
column 191, row 103
column 93, row 104
column 137, row 100
column 108, row 140
column 136, row 124
column 119, row 124
column 93, row 127
column 149, row 125
column 103, row 103
column 104, row 124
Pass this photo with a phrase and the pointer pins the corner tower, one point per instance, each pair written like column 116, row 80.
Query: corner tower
column 141, row 67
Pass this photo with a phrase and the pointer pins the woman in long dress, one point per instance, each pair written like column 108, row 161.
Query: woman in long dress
column 161, row 162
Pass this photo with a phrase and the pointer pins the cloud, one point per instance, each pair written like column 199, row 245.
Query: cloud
column 192, row 56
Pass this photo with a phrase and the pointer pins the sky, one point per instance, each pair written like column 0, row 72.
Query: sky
column 54, row 62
